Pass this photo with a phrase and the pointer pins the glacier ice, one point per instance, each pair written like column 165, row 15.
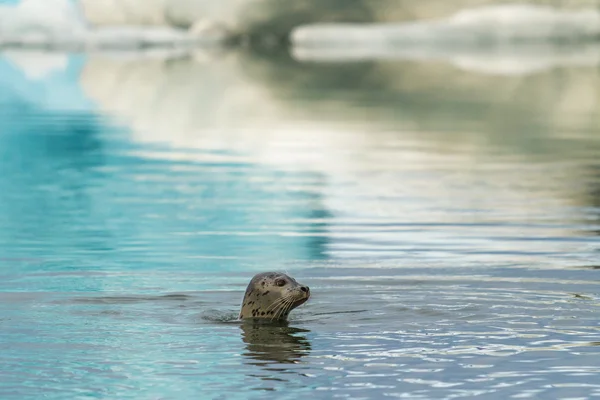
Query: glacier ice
column 500, row 24
column 36, row 20
column 60, row 24
column 504, row 39
column 131, row 24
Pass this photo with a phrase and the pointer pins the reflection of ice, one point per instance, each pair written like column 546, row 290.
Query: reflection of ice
column 479, row 26
column 37, row 65
column 506, row 60
column 219, row 106
column 41, row 81
column 529, row 61
column 387, row 181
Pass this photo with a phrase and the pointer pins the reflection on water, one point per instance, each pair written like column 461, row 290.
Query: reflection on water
column 269, row 344
column 446, row 220
column 379, row 137
column 131, row 299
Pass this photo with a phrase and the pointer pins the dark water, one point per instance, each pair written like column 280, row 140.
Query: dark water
column 445, row 219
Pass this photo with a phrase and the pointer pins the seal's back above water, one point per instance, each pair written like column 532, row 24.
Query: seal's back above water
column 272, row 295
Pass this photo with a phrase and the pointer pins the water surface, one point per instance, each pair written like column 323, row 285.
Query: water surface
column 445, row 219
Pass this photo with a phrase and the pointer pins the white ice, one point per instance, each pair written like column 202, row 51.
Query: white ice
column 40, row 19
column 60, row 24
column 501, row 24
column 505, row 39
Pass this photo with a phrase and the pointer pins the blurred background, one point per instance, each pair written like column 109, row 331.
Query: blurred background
column 434, row 160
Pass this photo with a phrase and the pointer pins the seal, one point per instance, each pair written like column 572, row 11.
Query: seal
column 272, row 295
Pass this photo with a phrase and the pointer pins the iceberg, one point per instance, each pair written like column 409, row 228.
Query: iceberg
column 60, row 24
column 513, row 39
column 132, row 24
column 36, row 20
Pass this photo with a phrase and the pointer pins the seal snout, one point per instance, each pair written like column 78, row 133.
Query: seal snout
column 304, row 295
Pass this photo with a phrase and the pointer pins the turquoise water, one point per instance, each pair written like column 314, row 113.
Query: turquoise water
column 446, row 221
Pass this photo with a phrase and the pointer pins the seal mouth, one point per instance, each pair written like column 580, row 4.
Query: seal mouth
column 301, row 301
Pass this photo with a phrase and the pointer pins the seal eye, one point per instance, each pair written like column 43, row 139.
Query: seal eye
column 280, row 282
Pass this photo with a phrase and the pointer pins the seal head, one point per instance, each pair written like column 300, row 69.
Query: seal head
column 272, row 295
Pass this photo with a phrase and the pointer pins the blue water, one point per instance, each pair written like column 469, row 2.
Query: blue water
column 449, row 233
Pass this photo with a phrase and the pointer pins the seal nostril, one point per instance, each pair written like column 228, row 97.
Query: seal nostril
column 305, row 289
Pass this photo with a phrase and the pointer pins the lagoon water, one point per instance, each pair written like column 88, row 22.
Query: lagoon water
column 446, row 219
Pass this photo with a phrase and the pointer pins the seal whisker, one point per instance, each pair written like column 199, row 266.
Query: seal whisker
column 280, row 311
column 289, row 307
column 280, row 306
column 276, row 303
column 283, row 299
column 286, row 308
